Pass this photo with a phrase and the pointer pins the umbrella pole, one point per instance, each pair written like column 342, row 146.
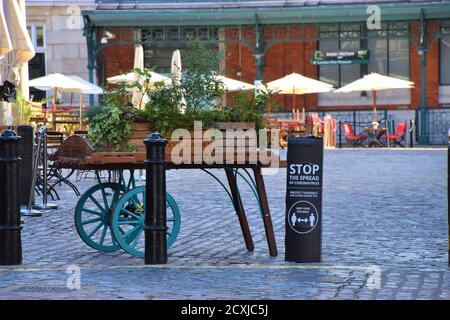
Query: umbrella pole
column 374, row 95
column 54, row 108
column 293, row 99
column 81, row 112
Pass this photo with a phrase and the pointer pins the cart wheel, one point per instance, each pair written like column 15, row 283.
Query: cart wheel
column 128, row 221
column 93, row 216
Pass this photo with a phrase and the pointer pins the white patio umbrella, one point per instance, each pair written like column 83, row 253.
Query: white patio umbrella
column 72, row 84
column 131, row 76
column 232, row 85
column 90, row 87
column 375, row 82
column 295, row 83
column 61, row 82
column 22, row 47
column 5, row 41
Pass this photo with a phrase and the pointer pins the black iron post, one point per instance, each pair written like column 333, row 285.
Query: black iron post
column 26, row 166
column 411, row 135
column 422, row 51
column 155, row 225
column 340, row 133
column 10, row 229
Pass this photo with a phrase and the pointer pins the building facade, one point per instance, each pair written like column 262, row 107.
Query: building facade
column 265, row 40
column 56, row 30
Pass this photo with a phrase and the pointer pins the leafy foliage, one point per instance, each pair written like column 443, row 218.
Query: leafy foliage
column 246, row 107
column 200, row 87
column 109, row 128
column 178, row 105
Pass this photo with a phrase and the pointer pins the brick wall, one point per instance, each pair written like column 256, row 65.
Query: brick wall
column 285, row 57
column 280, row 59
column 432, row 65
column 118, row 59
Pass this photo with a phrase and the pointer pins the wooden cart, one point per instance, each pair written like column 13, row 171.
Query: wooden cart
column 110, row 215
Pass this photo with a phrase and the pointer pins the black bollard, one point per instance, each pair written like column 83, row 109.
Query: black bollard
column 26, row 166
column 10, row 229
column 340, row 133
column 155, row 225
column 303, row 238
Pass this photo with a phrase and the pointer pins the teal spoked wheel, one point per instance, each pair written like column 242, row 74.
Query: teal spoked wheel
column 128, row 221
column 93, row 216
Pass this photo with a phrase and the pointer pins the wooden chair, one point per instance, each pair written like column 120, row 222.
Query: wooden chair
column 70, row 155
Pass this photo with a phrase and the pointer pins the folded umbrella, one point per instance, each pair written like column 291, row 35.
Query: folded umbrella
column 5, row 41
column 22, row 47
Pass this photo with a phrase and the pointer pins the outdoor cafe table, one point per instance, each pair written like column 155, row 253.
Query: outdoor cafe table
column 374, row 135
column 120, row 161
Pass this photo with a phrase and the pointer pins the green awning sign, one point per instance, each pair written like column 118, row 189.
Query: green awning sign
column 340, row 57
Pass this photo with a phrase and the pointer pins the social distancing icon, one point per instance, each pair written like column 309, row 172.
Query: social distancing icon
column 303, row 217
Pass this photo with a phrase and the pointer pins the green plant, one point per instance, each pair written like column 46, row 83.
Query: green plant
column 111, row 127
column 200, row 87
column 192, row 99
column 246, row 107
column 23, row 107
column 175, row 105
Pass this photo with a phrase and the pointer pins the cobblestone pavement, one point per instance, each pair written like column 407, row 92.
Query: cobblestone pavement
column 385, row 213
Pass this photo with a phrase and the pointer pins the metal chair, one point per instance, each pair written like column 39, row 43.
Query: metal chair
column 399, row 135
column 356, row 140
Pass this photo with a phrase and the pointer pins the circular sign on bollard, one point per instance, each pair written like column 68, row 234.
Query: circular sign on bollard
column 303, row 217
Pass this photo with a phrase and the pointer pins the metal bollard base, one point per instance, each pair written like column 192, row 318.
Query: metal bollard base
column 48, row 206
column 30, row 212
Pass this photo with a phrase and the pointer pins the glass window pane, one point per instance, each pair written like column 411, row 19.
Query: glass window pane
column 329, row 74
column 445, row 61
column 40, row 36
column 378, row 56
column 399, row 58
column 350, row 73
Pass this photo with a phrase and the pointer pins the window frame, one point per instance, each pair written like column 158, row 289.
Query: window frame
column 445, row 34
column 33, row 35
column 389, row 32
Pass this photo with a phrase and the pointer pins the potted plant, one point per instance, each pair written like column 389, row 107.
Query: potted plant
column 110, row 124
column 121, row 127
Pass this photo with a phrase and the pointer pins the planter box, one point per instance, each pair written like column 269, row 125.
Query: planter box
column 232, row 143
column 235, row 125
column 139, row 132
